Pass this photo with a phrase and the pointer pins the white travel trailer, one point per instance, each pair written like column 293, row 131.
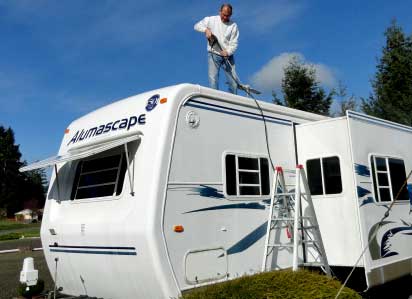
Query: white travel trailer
column 169, row 190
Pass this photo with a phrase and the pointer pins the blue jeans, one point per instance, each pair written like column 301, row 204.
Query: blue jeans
column 215, row 62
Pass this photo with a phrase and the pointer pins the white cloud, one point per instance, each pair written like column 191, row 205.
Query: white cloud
column 270, row 76
column 325, row 75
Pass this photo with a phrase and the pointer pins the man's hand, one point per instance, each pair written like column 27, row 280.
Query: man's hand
column 224, row 53
column 208, row 33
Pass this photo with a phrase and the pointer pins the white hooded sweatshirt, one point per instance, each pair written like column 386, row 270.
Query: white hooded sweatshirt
column 226, row 33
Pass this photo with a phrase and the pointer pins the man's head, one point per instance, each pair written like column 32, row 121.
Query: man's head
column 225, row 12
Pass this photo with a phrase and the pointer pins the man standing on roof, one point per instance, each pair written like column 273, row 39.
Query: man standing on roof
column 227, row 35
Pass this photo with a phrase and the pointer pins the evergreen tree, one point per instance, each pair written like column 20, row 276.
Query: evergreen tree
column 301, row 90
column 10, row 178
column 16, row 187
column 345, row 102
column 275, row 99
column 392, row 85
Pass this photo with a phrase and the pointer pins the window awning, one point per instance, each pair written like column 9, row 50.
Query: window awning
column 80, row 153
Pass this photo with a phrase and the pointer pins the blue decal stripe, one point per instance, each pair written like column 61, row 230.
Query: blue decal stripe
column 367, row 200
column 92, row 247
column 207, row 191
column 236, row 112
column 362, row 191
column 241, row 111
column 409, row 187
column 94, row 252
column 362, row 170
column 252, row 206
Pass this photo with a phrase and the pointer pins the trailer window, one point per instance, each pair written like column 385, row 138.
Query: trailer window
column 99, row 177
column 388, row 178
column 246, row 176
column 324, row 176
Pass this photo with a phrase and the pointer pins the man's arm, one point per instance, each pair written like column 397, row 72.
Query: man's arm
column 233, row 41
column 203, row 26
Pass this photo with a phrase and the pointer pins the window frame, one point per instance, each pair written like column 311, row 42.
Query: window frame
column 238, row 185
column 112, row 152
column 374, row 178
column 323, row 175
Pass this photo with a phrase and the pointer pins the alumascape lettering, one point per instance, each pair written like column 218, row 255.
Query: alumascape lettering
column 120, row 124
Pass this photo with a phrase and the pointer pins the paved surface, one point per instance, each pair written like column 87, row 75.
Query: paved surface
column 10, row 267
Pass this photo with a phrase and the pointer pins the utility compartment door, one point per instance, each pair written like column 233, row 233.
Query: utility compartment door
column 204, row 265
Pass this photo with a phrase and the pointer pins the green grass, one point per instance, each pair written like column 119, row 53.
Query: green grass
column 277, row 284
column 10, row 225
column 7, row 226
column 15, row 236
column 10, row 230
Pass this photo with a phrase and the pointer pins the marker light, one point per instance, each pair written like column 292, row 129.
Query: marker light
column 178, row 228
column 163, row 100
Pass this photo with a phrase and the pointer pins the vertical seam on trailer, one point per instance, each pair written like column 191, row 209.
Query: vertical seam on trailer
column 355, row 193
column 176, row 120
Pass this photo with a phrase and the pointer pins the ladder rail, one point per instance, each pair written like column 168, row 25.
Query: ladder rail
column 269, row 222
column 315, row 223
column 296, row 224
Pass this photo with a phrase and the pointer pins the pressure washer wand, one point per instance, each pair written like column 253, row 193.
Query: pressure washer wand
column 215, row 45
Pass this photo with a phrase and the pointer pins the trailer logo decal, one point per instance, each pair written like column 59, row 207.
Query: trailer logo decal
column 387, row 249
column 119, row 124
column 152, row 102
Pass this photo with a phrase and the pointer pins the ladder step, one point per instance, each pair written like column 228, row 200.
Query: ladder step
column 288, row 194
column 284, row 194
column 312, row 264
column 280, row 245
column 309, row 241
column 291, row 218
column 283, row 219
column 308, row 227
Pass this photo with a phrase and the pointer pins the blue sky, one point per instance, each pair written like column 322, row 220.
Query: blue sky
column 62, row 59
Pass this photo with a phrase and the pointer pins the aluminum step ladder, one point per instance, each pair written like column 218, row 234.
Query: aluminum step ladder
column 303, row 232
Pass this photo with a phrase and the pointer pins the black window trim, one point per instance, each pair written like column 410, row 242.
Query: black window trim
column 112, row 152
column 246, row 155
column 373, row 178
column 322, row 174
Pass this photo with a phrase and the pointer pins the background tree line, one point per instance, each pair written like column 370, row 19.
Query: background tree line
column 391, row 96
column 17, row 189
